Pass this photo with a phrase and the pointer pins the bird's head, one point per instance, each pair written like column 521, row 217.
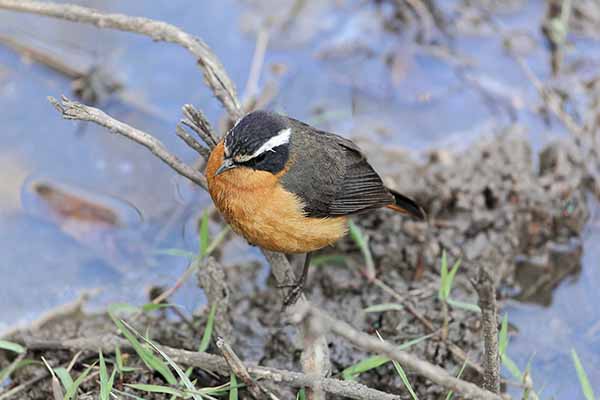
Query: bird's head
column 260, row 141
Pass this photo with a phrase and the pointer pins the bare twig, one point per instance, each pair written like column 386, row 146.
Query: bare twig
column 432, row 372
column 77, row 111
column 214, row 73
column 213, row 363
column 193, row 143
column 489, row 323
column 197, row 121
column 239, row 369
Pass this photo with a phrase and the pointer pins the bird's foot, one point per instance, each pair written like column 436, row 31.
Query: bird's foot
column 296, row 290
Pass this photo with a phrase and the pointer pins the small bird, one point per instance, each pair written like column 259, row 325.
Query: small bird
column 288, row 187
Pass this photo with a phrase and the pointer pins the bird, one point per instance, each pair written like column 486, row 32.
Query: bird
column 288, row 187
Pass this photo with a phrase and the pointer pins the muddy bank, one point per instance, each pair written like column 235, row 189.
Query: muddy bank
column 495, row 204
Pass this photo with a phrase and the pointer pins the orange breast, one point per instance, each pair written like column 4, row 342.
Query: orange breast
column 260, row 209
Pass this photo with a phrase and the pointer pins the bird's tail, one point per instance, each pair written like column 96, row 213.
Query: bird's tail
column 404, row 205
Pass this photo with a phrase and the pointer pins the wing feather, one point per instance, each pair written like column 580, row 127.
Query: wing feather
column 331, row 175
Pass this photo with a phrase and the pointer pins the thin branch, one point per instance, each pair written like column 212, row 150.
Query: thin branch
column 213, row 363
column 489, row 323
column 197, row 121
column 366, row 342
column 77, row 111
column 192, row 142
column 214, row 73
column 239, row 369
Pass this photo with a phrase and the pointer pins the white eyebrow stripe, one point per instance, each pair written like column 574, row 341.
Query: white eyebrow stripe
column 282, row 137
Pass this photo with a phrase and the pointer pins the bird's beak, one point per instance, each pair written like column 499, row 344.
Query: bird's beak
column 225, row 165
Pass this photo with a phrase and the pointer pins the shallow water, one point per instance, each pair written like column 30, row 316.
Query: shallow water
column 342, row 72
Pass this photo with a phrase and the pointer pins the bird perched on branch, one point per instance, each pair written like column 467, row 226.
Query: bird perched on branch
column 288, row 187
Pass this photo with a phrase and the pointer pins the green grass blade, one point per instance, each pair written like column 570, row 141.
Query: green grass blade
column 337, row 259
column 217, row 240
column 204, row 240
column 362, row 242
column 384, row 307
column 233, row 389
column 301, row 394
column 443, row 291
column 127, row 395
column 176, row 253
column 151, row 361
column 106, row 382
column 452, row 274
column 156, row 389
column 65, row 377
column 464, row 305
column 17, row 364
column 72, row 390
column 149, row 307
column 103, row 378
column 399, row 368
column 116, row 309
column 450, row 394
column 363, row 366
column 376, row 361
column 405, row 380
column 584, row 381
column 119, row 361
column 512, row 367
column 13, row 347
column 184, row 378
column 207, row 336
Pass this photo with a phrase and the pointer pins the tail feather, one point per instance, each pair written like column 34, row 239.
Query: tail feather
column 404, row 205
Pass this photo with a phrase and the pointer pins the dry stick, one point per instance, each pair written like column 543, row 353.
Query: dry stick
column 489, row 322
column 192, row 142
column 214, row 73
column 239, row 369
column 213, row 363
column 197, row 121
column 366, row 342
column 77, row 111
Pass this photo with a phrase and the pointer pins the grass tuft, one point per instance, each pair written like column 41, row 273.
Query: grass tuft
column 12, row 347
column 584, row 381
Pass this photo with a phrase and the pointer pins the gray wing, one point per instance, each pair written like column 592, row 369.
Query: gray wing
column 331, row 175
